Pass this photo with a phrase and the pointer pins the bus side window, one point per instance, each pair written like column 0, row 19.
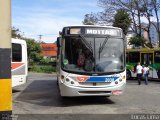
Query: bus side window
column 134, row 57
column 157, row 57
column 16, row 52
column 150, row 59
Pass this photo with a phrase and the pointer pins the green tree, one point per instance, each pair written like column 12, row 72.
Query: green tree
column 122, row 20
column 137, row 41
column 16, row 33
column 34, row 50
column 89, row 19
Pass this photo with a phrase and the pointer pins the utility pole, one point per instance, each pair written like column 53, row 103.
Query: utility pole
column 5, row 59
column 40, row 38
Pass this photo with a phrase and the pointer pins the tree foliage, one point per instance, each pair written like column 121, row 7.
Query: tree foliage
column 16, row 33
column 34, row 50
column 137, row 41
column 137, row 9
column 89, row 19
column 122, row 20
column 132, row 7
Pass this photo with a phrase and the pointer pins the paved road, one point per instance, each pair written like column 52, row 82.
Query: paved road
column 41, row 96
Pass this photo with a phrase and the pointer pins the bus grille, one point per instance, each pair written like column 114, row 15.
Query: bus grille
column 95, row 92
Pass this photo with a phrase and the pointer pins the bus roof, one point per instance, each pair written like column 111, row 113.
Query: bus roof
column 18, row 41
column 93, row 26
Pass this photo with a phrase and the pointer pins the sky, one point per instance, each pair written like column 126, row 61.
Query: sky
column 48, row 17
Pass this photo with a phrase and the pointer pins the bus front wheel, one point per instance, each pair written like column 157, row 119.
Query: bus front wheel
column 128, row 74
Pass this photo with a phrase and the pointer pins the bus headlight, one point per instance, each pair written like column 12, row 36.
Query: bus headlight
column 120, row 80
column 116, row 82
column 67, row 80
column 72, row 82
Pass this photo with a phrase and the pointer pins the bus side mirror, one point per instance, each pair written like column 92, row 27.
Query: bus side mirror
column 59, row 42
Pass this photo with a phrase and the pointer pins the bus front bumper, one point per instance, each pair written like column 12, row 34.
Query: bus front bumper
column 71, row 91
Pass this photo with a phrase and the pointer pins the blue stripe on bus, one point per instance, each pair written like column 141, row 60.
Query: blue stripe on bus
column 102, row 79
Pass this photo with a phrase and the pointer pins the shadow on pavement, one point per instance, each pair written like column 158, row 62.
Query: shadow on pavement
column 46, row 93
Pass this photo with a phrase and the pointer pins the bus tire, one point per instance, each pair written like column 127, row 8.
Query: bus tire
column 128, row 75
column 57, row 82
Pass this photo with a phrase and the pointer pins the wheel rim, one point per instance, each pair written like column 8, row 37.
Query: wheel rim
column 128, row 75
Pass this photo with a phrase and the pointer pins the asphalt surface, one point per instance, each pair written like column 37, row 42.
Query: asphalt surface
column 40, row 96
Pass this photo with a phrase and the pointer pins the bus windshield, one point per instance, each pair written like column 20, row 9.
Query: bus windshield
column 92, row 54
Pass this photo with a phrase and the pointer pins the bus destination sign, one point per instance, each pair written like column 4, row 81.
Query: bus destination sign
column 93, row 31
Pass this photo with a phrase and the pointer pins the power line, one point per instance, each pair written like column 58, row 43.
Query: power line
column 49, row 34
column 43, row 35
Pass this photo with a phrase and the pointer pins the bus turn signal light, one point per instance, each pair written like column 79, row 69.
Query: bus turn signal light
column 62, row 77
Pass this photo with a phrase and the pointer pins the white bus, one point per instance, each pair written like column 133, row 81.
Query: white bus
column 19, row 62
column 91, row 61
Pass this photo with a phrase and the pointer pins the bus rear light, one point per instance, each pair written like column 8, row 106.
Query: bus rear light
column 117, row 92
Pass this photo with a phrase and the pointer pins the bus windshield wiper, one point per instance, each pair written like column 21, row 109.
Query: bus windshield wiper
column 103, row 45
column 86, row 43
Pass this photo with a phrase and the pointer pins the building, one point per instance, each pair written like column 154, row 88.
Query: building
column 49, row 51
column 130, row 34
column 154, row 34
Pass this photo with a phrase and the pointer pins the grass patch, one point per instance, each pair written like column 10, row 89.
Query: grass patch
column 43, row 68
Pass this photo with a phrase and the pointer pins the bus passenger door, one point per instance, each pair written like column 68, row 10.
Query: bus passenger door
column 147, row 58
